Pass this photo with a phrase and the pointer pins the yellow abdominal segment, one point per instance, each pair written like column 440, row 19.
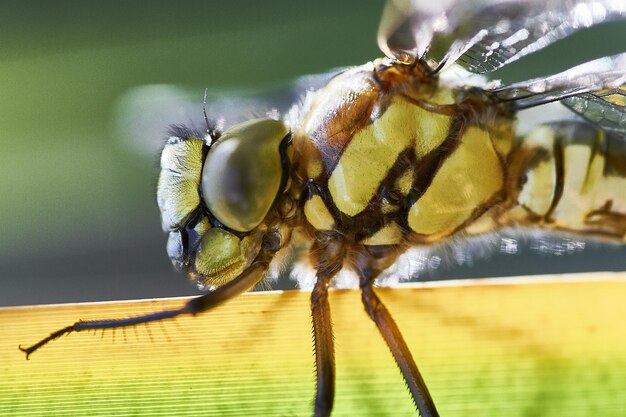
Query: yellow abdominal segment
column 466, row 180
column 588, row 189
column 538, row 191
column 373, row 150
column 575, row 180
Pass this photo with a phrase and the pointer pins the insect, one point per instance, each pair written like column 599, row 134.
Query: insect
column 395, row 154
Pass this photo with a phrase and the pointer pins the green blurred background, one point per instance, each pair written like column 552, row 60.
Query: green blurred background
column 78, row 219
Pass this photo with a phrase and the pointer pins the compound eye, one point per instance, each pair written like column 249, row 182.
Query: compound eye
column 243, row 172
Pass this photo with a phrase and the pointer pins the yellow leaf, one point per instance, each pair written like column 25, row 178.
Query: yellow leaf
column 537, row 346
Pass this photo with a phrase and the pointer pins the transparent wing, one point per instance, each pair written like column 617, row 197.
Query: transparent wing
column 605, row 108
column 599, row 74
column 595, row 90
column 484, row 35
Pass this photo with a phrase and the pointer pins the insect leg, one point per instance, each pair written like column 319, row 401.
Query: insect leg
column 324, row 346
column 248, row 279
column 390, row 332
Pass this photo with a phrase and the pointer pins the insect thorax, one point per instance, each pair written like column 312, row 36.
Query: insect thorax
column 386, row 156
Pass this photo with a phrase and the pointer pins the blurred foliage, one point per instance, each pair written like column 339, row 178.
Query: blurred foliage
column 78, row 218
column 77, row 210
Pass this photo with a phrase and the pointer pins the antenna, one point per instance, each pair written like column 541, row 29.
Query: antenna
column 206, row 119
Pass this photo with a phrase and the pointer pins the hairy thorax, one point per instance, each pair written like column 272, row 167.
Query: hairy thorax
column 386, row 157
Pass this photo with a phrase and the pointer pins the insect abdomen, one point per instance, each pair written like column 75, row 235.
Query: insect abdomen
column 571, row 177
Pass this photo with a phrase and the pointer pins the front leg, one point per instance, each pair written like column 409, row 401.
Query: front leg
column 247, row 280
column 240, row 284
column 400, row 351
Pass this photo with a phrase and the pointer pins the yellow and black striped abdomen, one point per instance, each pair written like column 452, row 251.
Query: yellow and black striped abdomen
column 570, row 177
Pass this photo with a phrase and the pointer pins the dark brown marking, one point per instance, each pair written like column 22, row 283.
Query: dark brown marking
column 615, row 156
column 372, row 219
column 427, row 167
column 557, row 154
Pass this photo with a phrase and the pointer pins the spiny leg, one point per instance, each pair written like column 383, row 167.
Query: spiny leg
column 324, row 346
column 248, row 279
column 400, row 351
